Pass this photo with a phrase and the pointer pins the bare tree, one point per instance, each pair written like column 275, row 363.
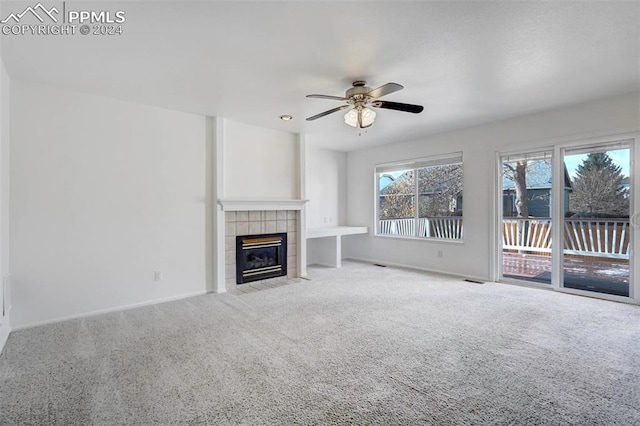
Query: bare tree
column 518, row 174
column 397, row 198
column 438, row 189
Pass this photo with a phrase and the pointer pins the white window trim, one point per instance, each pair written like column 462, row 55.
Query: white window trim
column 417, row 163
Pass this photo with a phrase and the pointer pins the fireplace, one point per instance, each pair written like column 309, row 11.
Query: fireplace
column 259, row 257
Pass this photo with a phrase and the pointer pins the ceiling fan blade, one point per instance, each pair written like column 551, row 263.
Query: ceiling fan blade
column 337, row 98
column 398, row 106
column 331, row 111
column 385, row 89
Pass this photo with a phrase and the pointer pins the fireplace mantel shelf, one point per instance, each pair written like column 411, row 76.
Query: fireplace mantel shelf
column 252, row 205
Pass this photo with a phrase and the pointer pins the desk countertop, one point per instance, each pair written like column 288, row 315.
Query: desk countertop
column 335, row 231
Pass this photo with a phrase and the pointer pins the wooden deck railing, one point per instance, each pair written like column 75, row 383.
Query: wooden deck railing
column 401, row 227
column 585, row 237
column 448, row 227
column 527, row 234
column 602, row 238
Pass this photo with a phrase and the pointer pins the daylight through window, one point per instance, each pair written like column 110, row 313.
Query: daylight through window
column 421, row 198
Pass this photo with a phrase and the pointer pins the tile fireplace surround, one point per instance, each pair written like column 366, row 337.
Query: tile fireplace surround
column 238, row 223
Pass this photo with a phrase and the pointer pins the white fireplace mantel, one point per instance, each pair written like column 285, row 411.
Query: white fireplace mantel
column 252, row 205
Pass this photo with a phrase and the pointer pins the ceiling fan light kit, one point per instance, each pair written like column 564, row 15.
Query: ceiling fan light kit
column 359, row 98
column 360, row 118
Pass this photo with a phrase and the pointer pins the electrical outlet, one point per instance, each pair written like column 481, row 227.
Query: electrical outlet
column 440, row 254
column 157, row 275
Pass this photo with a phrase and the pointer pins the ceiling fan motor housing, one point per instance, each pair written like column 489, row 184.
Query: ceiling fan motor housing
column 358, row 91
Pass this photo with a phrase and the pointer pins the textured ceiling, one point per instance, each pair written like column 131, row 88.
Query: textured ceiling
column 466, row 62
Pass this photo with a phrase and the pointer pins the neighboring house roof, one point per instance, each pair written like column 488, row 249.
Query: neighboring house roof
column 393, row 181
column 385, row 180
column 539, row 176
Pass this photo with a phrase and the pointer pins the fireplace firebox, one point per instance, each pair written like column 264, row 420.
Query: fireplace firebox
column 259, row 257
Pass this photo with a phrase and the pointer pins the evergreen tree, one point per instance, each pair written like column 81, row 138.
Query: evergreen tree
column 598, row 187
column 597, row 161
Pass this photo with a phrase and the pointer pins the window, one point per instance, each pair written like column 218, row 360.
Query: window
column 420, row 198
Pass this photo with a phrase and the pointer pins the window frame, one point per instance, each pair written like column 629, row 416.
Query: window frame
column 454, row 158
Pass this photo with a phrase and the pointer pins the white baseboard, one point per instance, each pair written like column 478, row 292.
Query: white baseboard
column 323, row 264
column 418, row 268
column 110, row 310
column 4, row 335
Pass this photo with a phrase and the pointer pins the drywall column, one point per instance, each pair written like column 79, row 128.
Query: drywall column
column 5, row 281
column 302, row 220
column 216, row 134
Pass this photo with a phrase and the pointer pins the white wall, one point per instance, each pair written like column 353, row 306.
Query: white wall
column 326, row 190
column 5, row 293
column 326, row 187
column 479, row 145
column 103, row 193
column 260, row 164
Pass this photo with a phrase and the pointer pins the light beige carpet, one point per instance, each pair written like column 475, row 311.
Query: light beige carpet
column 360, row 345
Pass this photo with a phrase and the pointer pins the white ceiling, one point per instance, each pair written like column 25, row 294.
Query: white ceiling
column 467, row 62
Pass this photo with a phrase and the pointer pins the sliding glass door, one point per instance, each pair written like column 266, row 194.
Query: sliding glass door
column 597, row 235
column 565, row 218
column 526, row 197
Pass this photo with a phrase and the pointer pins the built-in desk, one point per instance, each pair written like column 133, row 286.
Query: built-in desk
column 327, row 244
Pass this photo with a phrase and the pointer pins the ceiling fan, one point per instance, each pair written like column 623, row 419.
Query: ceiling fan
column 359, row 98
